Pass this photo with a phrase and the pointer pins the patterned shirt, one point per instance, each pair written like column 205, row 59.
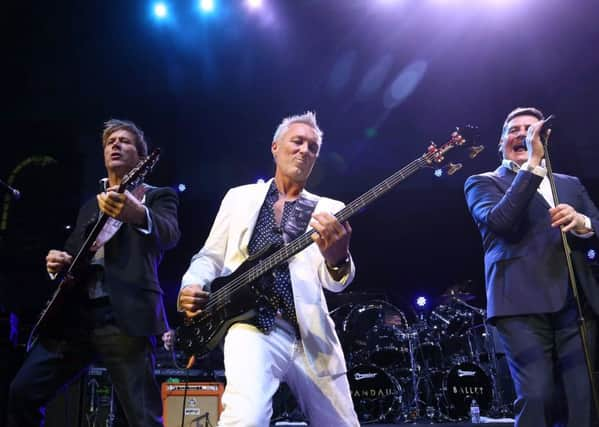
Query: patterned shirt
column 267, row 233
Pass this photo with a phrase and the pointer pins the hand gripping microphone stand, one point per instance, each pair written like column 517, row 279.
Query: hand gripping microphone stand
column 582, row 329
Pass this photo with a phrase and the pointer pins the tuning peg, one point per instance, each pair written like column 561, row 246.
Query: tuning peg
column 475, row 150
column 453, row 168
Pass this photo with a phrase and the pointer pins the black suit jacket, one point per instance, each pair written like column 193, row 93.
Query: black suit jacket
column 131, row 262
column 525, row 265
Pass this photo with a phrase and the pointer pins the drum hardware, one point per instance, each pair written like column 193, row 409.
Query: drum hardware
column 428, row 371
column 386, row 346
column 415, row 404
column 376, row 326
column 441, row 318
column 459, row 290
column 498, row 407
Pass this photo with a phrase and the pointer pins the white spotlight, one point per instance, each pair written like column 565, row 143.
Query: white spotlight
column 254, row 4
column 160, row 10
column 207, row 6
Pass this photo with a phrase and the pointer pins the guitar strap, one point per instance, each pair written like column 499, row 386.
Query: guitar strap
column 299, row 220
column 113, row 225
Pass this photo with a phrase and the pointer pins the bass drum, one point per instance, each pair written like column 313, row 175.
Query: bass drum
column 462, row 384
column 377, row 395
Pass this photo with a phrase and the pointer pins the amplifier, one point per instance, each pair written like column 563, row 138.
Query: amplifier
column 202, row 403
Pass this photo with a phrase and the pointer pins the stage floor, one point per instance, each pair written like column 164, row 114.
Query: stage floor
column 462, row 424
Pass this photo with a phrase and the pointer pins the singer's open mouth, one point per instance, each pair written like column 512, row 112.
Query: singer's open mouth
column 519, row 147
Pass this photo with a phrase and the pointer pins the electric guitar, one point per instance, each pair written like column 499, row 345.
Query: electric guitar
column 235, row 297
column 71, row 277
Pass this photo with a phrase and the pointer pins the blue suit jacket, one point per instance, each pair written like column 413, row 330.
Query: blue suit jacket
column 525, row 265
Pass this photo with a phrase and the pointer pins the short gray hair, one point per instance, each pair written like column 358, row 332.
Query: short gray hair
column 308, row 118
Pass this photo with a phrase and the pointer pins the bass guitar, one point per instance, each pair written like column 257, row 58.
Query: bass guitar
column 234, row 298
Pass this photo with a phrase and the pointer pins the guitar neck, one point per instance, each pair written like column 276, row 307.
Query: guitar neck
column 343, row 215
column 380, row 189
column 80, row 260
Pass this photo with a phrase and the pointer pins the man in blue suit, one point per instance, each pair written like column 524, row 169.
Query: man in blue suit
column 529, row 298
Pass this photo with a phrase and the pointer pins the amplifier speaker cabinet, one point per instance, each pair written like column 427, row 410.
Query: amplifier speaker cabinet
column 202, row 403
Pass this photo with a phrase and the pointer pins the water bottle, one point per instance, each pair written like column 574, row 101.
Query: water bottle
column 474, row 412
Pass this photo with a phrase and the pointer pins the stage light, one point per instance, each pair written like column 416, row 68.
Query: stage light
column 260, row 181
column 207, row 6
column 439, row 173
column 160, row 10
column 421, row 301
column 181, row 188
column 591, row 254
column 254, row 4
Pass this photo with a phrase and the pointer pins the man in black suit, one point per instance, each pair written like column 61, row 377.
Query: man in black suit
column 116, row 311
column 529, row 298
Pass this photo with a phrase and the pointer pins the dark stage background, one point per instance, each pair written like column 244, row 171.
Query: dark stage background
column 384, row 78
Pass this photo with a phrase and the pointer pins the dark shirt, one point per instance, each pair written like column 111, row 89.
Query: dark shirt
column 266, row 233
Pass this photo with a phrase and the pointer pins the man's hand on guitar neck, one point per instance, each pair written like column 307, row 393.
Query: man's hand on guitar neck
column 192, row 299
column 56, row 261
column 123, row 206
column 332, row 239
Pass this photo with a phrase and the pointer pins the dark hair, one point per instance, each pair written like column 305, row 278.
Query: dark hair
column 523, row 111
column 113, row 125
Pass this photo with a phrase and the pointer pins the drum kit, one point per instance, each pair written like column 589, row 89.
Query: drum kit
column 429, row 368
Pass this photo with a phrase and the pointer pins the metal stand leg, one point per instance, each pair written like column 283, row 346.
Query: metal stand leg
column 498, row 407
column 111, row 413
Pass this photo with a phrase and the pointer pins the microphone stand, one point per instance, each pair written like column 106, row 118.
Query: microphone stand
column 582, row 328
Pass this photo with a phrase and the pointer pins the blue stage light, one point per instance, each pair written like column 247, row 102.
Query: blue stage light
column 206, row 6
column 421, row 301
column 181, row 188
column 160, row 10
column 591, row 254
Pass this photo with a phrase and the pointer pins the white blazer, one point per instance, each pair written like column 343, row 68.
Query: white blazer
column 226, row 248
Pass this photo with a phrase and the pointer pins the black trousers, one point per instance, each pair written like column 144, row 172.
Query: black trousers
column 545, row 354
column 52, row 363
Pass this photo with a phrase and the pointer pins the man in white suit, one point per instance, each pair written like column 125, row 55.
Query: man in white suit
column 292, row 338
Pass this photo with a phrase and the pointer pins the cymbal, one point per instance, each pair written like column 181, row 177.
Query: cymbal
column 451, row 295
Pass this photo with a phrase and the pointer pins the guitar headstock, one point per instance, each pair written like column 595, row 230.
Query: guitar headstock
column 138, row 174
column 461, row 137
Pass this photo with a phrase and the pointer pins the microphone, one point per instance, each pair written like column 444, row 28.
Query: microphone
column 544, row 131
column 16, row 194
column 545, row 128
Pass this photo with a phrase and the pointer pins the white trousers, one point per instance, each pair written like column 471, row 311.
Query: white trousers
column 256, row 364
